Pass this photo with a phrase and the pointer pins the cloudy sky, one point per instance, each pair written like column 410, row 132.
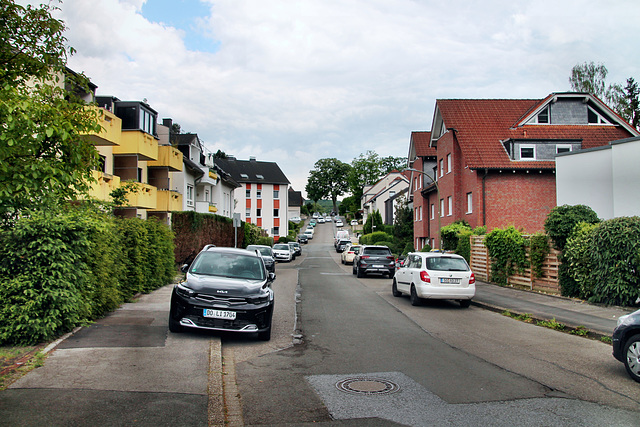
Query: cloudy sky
column 295, row 81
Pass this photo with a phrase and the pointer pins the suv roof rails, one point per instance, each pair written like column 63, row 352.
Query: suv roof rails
column 207, row 247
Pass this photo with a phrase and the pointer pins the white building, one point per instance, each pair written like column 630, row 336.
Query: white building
column 375, row 196
column 605, row 178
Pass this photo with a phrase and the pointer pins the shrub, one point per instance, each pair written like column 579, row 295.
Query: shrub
column 562, row 219
column 450, row 234
column 408, row 248
column 388, row 244
column 538, row 250
column 507, row 251
column 464, row 244
column 578, row 261
column 426, row 248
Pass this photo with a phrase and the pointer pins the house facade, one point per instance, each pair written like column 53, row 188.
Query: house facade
column 375, row 196
column 263, row 198
column 295, row 203
column 604, row 178
column 495, row 159
column 422, row 157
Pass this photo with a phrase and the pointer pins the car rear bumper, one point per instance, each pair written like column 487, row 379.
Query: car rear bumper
column 446, row 292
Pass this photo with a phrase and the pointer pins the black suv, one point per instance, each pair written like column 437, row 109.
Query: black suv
column 226, row 289
column 374, row 259
column 626, row 343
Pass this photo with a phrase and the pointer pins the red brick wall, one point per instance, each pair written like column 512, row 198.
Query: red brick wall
column 520, row 199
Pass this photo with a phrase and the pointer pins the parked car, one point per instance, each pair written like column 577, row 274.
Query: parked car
column 626, row 343
column 297, row 249
column 267, row 256
column 302, row 238
column 321, row 220
column 225, row 289
column 309, row 233
column 295, row 219
column 313, row 222
column 283, row 252
column 340, row 235
column 435, row 276
column 342, row 243
column 339, row 223
column 349, row 253
column 354, row 222
column 374, row 259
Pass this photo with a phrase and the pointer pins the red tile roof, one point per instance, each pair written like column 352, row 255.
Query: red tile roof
column 421, row 141
column 482, row 124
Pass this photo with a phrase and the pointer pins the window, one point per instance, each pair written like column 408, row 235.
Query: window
column 449, row 163
column 543, row 116
column 392, row 193
column 420, row 210
column 563, row 148
column 469, row 202
column 441, row 207
column 441, row 167
column 258, row 213
column 244, row 176
column 259, row 176
column 276, row 194
column 594, row 118
column 276, row 213
column 415, row 214
column 450, row 203
column 276, row 231
column 527, row 152
column 259, row 194
column 189, row 195
column 248, row 213
column 433, row 211
column 248, row 193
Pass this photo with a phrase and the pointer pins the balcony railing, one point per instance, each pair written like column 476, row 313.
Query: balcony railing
column 111, row 128
column 146, row 196
column 206, row 207
column 103, row 186
column 168, row 201
column 168, row 156
column 138, row 142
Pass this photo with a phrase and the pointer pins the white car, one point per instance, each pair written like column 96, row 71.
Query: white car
column 354, row 222
column 433, row 275
column 295, row 219
column 339, row 223
column 321, row 220
column 309, row 233
column 282, row 252
column 349, row 253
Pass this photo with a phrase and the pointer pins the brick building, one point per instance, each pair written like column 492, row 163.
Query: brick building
column 495, row 158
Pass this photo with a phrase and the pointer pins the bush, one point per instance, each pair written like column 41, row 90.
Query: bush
column 464, row 244
column 373, row 238
column 562, row 220
column 450, row 234
column 538, row 250
column 408, row 248
column 507, row 251
column 388, row 244
column 426, row 248
column 578, row 260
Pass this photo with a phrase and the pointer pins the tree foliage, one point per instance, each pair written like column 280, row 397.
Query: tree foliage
column 44, row 159
column 328, row 179
column 561, row 221
column 373, row 223
column 589, row 77
column 368, row 168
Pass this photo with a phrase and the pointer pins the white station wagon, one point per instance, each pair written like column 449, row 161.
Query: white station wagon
column 433, row 275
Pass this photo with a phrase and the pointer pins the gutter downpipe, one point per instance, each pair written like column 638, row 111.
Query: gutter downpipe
column 484, row 198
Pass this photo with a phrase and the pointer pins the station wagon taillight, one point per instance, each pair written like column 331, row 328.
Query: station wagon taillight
column 424, row 276
column 472, row 278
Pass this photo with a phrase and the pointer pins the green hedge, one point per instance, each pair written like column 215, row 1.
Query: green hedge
column 59, row 270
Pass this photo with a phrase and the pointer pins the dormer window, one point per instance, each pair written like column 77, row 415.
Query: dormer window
column 596, row 119
column 527, row 152
column 543, row 117
column 259, row 176
column 244, row 176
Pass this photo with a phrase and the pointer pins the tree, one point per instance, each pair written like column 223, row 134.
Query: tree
column 328, row 179
column 403, row 224
column 589, row 77
column 626, row 101
column 368, row 168
column 44, row 158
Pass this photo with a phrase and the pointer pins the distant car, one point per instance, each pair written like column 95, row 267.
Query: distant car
column 321, row 220
column 267, row 256
column 340, row 235
column 349, row 253
column 374, row 259
column 302, row 238
column 435, row 276
column 342, row 243
column 295, row 219
column 316, row 215
column 339, row 223
column 297, row 249
column 626, row 343
column 309, row 233
column 283, row 252
column 354, row 222
column 225, row 289
column 313, row 222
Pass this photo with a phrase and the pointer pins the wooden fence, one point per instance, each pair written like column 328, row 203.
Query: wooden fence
column 481, row 266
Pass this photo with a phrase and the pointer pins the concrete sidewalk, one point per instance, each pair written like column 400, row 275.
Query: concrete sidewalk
column 573, row 313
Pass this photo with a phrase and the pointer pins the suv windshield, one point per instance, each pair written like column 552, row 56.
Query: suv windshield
column 281, row 246
column 263, row 251
column 228, row 265
column 447, row 264
column 377, row 251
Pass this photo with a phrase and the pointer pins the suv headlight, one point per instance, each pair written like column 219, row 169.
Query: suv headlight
column 183, row 291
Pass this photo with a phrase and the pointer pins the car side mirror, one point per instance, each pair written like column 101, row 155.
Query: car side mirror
column 184, row 268
column 271, row 277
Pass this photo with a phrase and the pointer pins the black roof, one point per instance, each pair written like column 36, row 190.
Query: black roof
column 250, row 171
column 295, row 198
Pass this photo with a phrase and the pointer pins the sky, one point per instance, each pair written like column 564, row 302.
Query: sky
column 292, row 82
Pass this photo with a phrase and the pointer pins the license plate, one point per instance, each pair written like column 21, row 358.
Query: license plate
column 219, row 314
column 449, row 280
column 378, row 266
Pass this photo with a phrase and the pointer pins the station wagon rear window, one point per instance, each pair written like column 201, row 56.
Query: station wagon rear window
column 447, row 264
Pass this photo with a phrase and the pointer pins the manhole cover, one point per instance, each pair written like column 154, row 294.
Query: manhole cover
column 370, row 386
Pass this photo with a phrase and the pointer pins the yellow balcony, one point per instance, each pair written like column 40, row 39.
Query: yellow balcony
column 138, row 142
column 168, row 201
column 146, row 197
column 111, row 128
column 212, row 174
column 103, row 186
column 212, row 208
column 168, row 156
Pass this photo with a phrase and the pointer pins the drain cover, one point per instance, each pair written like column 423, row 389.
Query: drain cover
column 368, row 386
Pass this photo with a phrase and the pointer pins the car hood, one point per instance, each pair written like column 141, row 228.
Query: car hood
column 218, row 285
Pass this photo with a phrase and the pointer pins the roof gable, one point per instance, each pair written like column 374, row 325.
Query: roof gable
column 253, row 171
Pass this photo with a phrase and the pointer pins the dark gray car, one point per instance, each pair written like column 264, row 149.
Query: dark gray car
column 626, row 343
column 374, row 259
column 267, row 256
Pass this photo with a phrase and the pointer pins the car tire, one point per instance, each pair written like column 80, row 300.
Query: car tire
column 414, row 298
column 631, row 355
column 265, row 335
column 341, row 261
column 391, row 274
column 359, row 273
column 394, row 289
column 465, row 303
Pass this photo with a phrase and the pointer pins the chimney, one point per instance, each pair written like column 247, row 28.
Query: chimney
column 167, row 122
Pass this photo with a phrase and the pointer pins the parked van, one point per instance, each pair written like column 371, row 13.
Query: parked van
column 341, row 235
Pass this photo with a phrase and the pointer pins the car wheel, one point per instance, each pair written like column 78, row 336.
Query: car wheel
column 632, row 357
column 394, row 289
column 391, row 274
column 359, row 273
column 342, row 261
column 265, row 335
column 465, row 303
column 414, row 298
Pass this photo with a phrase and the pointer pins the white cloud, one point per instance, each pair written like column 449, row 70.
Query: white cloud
column 294, row 82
